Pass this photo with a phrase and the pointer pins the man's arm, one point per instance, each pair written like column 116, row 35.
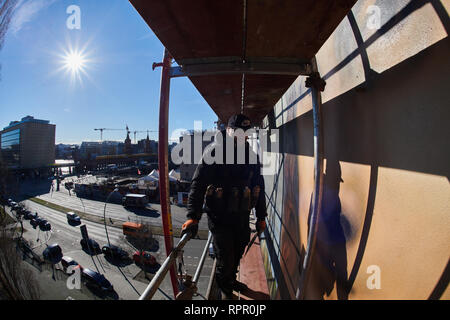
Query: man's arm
column 197, row 193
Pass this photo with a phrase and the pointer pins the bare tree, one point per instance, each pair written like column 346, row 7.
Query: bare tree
column 7, row 8
column 16, row 282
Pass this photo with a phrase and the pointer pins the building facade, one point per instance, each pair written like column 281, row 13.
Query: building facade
column 187, row 168
column 384, row 230
column 28, row 143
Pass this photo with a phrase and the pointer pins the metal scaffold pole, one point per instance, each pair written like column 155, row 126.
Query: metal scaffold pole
column 317, row 85
column 163, row 160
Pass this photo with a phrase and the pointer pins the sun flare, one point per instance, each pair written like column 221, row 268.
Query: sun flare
column 74, row 64
column 74, row 61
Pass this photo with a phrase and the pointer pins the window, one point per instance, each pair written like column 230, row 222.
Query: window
column 10, row 147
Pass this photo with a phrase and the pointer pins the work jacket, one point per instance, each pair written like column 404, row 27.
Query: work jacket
column 231, row 209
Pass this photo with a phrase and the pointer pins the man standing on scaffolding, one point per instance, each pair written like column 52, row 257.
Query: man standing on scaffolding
column 227, row 191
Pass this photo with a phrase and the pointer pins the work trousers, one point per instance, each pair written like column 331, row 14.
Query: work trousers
column 229, row 245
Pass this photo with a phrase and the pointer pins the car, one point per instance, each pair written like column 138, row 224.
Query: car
column 45, row 227
column 11, row 203
column 21, row 212
column 73, row 218
column 68, row 261
column 114, row 252
column 96, row 280
column 144, row 258
column 16, row 207
column 35, row 222
column 42, row 222
column 91, row 246
column 24, row 212
column 53, row 253
column 33, row 215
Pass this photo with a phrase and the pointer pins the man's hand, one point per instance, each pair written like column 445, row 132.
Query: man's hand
column 190, row 226
column 260, row 226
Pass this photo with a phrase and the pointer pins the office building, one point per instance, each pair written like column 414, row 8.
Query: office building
column 28, row 143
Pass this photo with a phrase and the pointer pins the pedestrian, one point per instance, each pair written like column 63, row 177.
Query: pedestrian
column 227, row 191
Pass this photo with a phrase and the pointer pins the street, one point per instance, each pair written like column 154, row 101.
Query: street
column 129, row 280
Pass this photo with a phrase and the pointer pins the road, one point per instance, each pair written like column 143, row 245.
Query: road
column 68, row 237
column 116, row 211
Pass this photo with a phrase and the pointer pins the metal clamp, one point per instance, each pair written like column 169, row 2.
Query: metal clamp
column 314, row 80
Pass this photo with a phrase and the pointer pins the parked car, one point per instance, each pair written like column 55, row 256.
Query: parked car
column 33, row 215
column 144, row 258
column 91, row 246
column 114, row 252
column 45, row 226
column 35, row 222
column 24, row 212
column 42, row 222
column 68, row 261
column 10, row 202
column 16, row 207
column 21, row 212
column 53, row 253
column 96, row 280
column 73, row 218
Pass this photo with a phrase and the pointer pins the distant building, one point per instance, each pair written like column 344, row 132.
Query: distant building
column 65, row 151
column 128, row 149
column 187, row 169
column 92, row 149
column 147, row 146
column 28, row 143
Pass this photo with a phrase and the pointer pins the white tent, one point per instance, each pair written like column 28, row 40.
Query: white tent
column 147, row 180
column 154, row 173
column 174, row 174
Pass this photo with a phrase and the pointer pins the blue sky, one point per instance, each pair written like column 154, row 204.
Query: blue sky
column 119, row 87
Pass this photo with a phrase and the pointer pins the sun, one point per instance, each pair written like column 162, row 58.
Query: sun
column 74, row 62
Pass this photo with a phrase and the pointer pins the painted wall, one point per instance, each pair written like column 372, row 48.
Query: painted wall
column 384, row 231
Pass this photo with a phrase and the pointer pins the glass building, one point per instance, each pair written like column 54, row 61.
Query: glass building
column 28, row 144
column 10, row 148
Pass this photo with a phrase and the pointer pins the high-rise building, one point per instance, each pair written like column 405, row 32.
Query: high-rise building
column 28, row 143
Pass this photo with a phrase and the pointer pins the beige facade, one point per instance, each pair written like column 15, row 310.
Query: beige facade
column 384, row 231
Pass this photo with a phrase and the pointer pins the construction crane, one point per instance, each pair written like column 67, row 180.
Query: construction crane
column 141, row 132
column 107, row 129
column 127, row 130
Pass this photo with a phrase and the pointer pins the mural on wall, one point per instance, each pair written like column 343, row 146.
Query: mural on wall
column 290, row 259
column 367, row 133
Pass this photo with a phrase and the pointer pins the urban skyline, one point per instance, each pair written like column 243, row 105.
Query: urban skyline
column 97, row 76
